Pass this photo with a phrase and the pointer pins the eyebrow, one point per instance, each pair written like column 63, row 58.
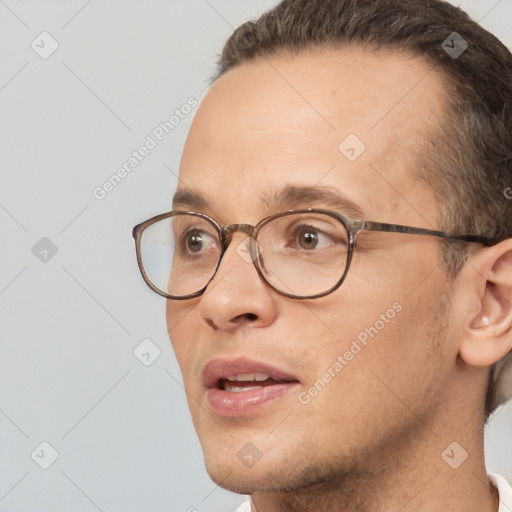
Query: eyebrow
column 288, row 198
column 293, row 196
column 187, row 198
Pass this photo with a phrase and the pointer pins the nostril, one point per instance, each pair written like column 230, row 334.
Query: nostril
column 245, row 316
column 211, row 323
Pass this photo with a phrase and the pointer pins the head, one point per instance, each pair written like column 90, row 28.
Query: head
column 418, row 337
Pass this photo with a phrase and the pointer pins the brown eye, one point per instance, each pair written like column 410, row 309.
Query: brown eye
column 307, row 238
column 194, row 242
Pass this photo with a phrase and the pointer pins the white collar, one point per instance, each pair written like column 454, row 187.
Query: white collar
column 504, row 490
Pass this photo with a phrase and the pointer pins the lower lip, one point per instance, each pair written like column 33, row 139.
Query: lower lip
column 229, row 403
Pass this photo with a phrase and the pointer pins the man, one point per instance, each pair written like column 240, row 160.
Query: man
column 332, row 363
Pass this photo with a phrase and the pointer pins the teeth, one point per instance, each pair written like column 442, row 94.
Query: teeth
column 248, row 377
column 236, row 389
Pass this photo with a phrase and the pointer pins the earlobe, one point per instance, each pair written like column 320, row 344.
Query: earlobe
column 488, row 336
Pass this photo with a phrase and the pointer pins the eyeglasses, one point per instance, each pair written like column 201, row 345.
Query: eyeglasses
column 301, row 254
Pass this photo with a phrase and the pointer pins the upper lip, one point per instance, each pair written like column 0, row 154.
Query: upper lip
column 218, row 368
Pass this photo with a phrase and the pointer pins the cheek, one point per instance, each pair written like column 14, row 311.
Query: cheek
column 393, row 331
column 182, row 325
column 383, row 386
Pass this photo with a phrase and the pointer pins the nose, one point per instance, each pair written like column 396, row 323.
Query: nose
column 237, row 296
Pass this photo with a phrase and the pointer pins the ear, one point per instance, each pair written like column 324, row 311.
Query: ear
column 488, row 326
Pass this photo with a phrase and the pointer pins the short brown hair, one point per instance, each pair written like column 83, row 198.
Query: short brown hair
column 468, row 161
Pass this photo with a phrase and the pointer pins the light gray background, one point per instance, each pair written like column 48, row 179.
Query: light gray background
column 69, row 325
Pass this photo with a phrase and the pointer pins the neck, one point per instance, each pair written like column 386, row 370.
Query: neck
column 418, row 480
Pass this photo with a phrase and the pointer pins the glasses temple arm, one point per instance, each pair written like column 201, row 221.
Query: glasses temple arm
column 408, row 230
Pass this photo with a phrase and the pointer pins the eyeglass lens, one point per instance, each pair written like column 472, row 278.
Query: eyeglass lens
column 301, row 254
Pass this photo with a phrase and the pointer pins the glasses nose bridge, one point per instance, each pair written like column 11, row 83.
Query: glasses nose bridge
column 229, row 230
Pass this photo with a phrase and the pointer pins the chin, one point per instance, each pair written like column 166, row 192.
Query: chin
column 236, row 479
column 274, row 478
column 281, row 472
column 227, row 468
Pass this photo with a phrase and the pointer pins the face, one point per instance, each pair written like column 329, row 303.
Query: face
column 349, row 360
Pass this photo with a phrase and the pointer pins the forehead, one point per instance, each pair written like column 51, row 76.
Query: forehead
column 351, row 120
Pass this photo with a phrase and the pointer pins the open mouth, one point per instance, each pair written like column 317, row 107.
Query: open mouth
column 240, row 386
column 248, row 381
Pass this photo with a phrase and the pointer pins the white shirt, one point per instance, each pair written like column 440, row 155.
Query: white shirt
column 504, row 490
column 245, row 506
